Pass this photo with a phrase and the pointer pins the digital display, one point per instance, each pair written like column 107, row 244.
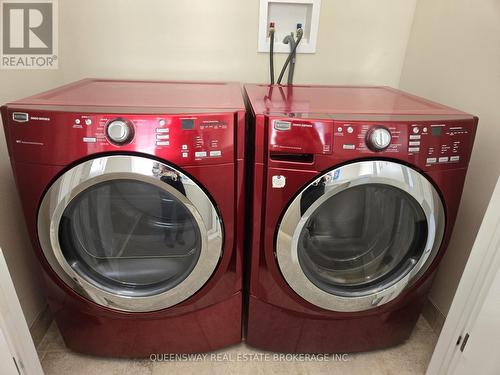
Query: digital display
column 436, row 131
column 187, row 123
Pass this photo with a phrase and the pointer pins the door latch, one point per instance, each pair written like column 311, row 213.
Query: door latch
column 464, row 341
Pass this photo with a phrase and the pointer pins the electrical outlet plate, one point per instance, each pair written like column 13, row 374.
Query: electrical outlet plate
column 286, row 14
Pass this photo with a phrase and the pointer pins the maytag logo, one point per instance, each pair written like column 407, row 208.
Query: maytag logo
column 29, row 34
column 20, row 117
column 282, row 125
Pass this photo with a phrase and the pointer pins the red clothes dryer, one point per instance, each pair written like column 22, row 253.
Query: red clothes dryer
column 133, row 197
column 355, row 194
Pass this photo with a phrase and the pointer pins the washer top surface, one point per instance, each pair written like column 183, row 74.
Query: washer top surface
column 158, row 94
column 267, row 99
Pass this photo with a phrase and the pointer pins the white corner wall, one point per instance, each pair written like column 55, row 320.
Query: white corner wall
column 359, row 42
column 453, row 57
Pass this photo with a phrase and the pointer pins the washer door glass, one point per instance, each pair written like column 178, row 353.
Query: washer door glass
column 358, row 235
column 361, row 237
column 130, row 237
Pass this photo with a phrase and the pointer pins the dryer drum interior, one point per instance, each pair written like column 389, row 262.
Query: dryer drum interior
column 130, row 235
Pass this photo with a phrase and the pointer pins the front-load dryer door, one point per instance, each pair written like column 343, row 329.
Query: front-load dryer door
column 130, row 233
column 359, row 235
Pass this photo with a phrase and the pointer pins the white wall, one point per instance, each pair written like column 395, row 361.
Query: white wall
column 453, row 57
column 359, row 42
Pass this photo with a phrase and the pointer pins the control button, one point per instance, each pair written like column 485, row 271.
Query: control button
column 89, row 139
column 416, row 130
column 425, row 130
column 414, row 149
column 184, row 147
column 164, row 130
column 443, row 159
column 200, row 154
column 339, row 129
column 454, row 158
column 88, row 121
column 161, row 122
column 162, row 136
column 77, row 121
column 184, row 154
column 163, row 143
column 415, row 143
column 350, row 130
column 378, row 139
column 349, row 147
column 215, row 153
column 431, row 160
column 415, row 136
column 119, row 131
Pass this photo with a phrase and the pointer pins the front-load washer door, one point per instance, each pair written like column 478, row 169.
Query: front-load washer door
column 359, row 235
column 130, row 233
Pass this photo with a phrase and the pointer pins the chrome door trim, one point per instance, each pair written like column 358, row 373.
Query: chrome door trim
column 340, row 179
column 84, row 175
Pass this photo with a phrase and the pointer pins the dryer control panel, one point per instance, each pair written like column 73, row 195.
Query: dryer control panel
column 61, row 137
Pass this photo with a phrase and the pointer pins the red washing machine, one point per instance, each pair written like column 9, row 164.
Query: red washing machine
column 133, row 196
column 356, row 190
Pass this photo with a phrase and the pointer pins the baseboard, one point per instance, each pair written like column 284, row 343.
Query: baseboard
column 434, row 316
column 40, row 325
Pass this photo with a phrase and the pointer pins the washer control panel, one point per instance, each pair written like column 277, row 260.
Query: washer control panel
column 424, row 143
column 368, row 138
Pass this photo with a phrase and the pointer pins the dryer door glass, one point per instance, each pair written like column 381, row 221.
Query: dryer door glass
column 363, row 236
column 130, row 235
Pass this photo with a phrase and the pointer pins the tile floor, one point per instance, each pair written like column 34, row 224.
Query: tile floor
column 410, row 358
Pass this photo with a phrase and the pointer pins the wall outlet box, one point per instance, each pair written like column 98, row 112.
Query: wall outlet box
column 286, row 14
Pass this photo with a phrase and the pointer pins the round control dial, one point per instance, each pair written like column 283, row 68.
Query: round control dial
column 379, row 139
column 120, row 131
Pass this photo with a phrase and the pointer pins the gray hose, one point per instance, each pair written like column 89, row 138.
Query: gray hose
column 289, row 39
column 271, row 56
column 300, row 33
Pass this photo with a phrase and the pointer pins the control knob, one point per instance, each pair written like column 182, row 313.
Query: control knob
column 378, row 139
column 120, row 131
